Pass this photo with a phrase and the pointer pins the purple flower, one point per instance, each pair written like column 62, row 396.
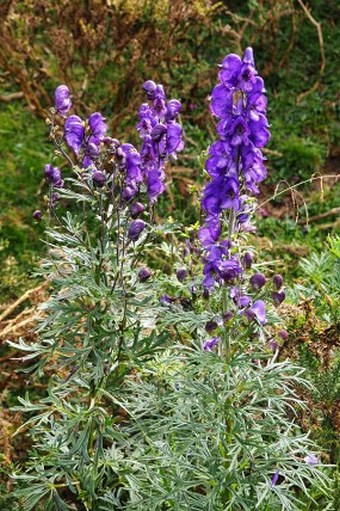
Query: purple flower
column 99, row 178
column 62, row 101
column 181, row 274
column 210, row 326
column 74, row 133
column 257, row 311
column 136, row 209
column 37, row 215
column 275, row 478
column 135, row 229
column 257, row 281
column 247, row 260
column 278, row 281
column 144, row 274
column 165, row 300
column 273, row 345
column 209, row 344
column 172, row 109
column 53, row 175
column 278, row 297
column 210, row 232
column 227, row 316
column 283, row 334
column 98, row 127
column 311, row 459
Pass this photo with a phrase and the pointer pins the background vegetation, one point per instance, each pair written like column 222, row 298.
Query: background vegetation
column 104, row 50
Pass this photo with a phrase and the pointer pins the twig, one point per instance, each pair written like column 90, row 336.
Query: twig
column 322, row 50
column 310, row 180
column 7, row 98
column 331, row 212
column 22, row 298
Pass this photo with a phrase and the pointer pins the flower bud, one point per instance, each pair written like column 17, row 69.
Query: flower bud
column 227, row 316
column 98, row 178
column 257, row 281
column 243, row 301
column 128, row 192
column 273, row 345
column 165, row 300
column 210, row 343
column 278, row 281
column 136, row 227
column 278, row 297
column 136, row 209
column 247, row 260
column 144, row 274
column 181, row 274
column 283, row 334
column 37, row 214
column 210, row 326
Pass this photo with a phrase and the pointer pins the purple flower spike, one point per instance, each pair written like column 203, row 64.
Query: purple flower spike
column 74, row 133
column 311, row 459
column 275, row 478
column 257, row 281
column 210, row 343
column 144, row 274
column 62, row 101
column 278, row 297
column 135, row 229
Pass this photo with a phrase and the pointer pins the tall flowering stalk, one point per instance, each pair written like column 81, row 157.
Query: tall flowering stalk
column 96, row 324
column 215, row 426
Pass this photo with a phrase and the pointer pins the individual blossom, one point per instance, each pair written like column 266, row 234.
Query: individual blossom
column 257, row 311
column 275, row 478
column 74, row 133
column 278, row 297
column 53, row 175
column 98, row 178
column 181, row 274
column 37, row 215
column 278, row 281
column 144, row 274
column 209, row 344
column 62, row 101
column 98, row 128
column 136, row 209
column 135, row 229
column 311, row 459
column 257, row 281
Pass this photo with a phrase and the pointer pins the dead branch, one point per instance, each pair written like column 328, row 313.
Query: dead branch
column 322, row 50
column 20, row 300
column 315, row 218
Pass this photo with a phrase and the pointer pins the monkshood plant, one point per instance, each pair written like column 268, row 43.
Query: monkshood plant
column 213, row 417
column 95, row 327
